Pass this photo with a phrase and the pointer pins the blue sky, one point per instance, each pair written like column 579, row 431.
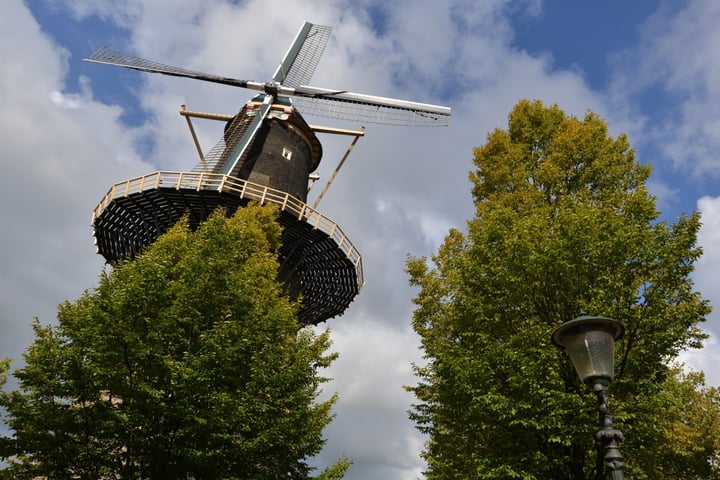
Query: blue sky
column 70, row 129
column 582, row 35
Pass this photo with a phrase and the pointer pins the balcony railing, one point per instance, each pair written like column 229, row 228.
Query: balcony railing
column 244, row 190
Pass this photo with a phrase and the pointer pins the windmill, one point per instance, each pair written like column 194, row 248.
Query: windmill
column 267, row 154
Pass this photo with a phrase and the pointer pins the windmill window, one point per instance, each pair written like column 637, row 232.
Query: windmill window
column 287, row 153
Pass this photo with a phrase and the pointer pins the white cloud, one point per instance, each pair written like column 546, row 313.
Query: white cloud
column 678, row 56
column 60, row 154
column 371, row 412
column 709, row 236
column 706, row 273
column 705, row 277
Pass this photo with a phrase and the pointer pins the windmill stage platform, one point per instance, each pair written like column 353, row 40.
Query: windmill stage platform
column 318, row 261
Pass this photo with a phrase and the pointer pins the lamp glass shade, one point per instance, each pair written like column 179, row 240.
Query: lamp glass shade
column 590, row 343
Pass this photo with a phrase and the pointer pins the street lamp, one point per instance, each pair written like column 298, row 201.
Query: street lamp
column 590, row 343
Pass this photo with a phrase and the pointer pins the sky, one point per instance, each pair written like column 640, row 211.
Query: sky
column 70, row 129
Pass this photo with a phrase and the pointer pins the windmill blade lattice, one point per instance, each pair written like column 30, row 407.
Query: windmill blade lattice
column 110, row 56
column 302, row 57
column 349, row 106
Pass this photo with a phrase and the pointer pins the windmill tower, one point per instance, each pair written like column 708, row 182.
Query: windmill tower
column 267, row 154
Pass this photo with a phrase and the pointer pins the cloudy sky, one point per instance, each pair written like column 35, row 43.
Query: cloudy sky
column 69, row 129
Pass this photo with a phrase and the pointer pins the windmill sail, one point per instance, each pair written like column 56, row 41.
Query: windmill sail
column 358, row 107
column 110, row 56
column 302, row 57
column 249, row 133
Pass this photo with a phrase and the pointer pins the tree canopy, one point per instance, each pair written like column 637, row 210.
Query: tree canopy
column 563, row 225
column 185, row 362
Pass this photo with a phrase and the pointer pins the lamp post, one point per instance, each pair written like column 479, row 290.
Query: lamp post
column 590, row 343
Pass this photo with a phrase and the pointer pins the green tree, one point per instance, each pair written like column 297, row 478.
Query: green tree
column 185, row 362
column 4, row 369
column 687, row 435
column 563, row 224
